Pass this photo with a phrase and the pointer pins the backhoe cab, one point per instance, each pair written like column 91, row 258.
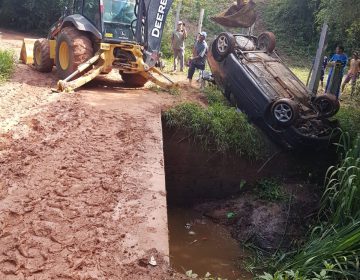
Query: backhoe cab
column 95, row 36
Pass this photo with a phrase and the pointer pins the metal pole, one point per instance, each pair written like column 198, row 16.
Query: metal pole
column 315, row 77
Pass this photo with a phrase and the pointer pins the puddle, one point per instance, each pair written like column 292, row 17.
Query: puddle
column 209, row 247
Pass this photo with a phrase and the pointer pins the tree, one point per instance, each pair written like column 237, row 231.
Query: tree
column 343, row 17
column 30, row 15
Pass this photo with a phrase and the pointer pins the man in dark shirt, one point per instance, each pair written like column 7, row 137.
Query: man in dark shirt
column 338, row 58
column 199, row 56
column 323, row 67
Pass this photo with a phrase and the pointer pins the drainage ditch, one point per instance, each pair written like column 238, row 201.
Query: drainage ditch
column 210, row 214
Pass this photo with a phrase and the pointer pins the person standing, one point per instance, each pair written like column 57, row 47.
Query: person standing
column 338, row 58
column 323, row 67
column 199, row 56
column 178, row 45
column 353, row 72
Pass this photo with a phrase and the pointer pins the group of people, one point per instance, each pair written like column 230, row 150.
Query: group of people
column 200, row 48
column 340, row 59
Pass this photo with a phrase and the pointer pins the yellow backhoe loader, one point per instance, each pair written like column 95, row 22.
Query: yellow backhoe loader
column 95, row 36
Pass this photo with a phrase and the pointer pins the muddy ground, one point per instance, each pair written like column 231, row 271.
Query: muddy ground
column 79, row 178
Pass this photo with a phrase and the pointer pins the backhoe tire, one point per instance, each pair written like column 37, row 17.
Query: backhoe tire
column 42, row 61
column 133, row 80
column 73, row 48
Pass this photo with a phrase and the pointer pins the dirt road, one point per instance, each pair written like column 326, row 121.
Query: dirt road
column 82, row 190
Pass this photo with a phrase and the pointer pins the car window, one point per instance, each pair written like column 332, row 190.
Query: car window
column 91, row 11
column 119, row 11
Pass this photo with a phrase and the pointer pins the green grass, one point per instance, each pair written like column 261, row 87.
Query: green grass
column 217, row 127
column 341, row 199
column 338, row 248
column 301, row 72
column 333, row 247
column 214, row 96
column 349, row 119
column 7, row 65
column 270, row 190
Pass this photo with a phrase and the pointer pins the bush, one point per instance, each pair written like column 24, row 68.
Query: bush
column 7, row 65
column 349, row 120
column 335, row 242
column 29, row 15
column 218, row 128
column 270, row 190
column 214, row 96
column 298, row 37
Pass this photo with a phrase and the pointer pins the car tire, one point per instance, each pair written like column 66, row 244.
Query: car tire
column 42, row 61
column 266, row 42
column 73, row 48
column 134, row 80
column 223, row 45
column 284, row 111
column 327, row 105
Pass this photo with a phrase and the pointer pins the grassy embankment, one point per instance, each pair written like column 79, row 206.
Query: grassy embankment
column 7, row 65
column 218, row 127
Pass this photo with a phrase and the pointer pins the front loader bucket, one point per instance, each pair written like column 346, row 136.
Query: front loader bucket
column 27, row 51
column 241, row 15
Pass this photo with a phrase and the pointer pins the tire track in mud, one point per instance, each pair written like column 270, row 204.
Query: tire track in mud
column 59, row 186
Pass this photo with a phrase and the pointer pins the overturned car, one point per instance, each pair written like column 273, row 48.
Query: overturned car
column 254, row 79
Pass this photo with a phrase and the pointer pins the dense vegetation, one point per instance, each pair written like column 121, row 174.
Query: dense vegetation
column 349, row 119
column 333, row 247
column 30, row 15
column 298, row 23
column 7, row 64
column 217, row 127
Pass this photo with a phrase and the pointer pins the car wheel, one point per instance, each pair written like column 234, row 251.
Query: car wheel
column 266, row 42
column 284, row 111
column 223, row 45
column 327, row 105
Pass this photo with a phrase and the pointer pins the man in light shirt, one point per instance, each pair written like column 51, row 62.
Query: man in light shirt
column 353, row 73
column 178, row 45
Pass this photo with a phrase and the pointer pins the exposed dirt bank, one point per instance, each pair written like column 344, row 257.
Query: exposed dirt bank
column 81, row 179
column 194, row 176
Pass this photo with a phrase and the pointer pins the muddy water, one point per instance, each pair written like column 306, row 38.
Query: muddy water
column 204, row 246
